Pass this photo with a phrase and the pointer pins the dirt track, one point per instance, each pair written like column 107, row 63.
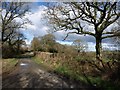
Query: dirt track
column 31, row 75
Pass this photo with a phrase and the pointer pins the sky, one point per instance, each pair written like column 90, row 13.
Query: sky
column 39, row 28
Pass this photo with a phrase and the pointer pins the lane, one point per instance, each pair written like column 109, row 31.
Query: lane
column 28, row 74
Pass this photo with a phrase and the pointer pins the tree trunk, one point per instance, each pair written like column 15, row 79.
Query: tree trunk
column 98, row 51
column 18, row 48
column 98, row 48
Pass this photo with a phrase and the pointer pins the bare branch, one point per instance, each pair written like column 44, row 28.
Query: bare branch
column 68, row 35
column 109, row 36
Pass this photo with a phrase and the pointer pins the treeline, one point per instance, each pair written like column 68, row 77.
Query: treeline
column 13, row 47
column 48, row 43
column 12, row 17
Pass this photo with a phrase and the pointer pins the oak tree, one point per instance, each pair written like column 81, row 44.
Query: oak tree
column 10, row 13
column 74, row 17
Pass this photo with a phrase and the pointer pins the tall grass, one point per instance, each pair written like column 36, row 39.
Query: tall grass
column 8, row 64
column 77, row 66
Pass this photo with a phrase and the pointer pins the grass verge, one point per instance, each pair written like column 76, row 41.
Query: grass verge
column 40, row 62
column 66, row 71
column 8, row 65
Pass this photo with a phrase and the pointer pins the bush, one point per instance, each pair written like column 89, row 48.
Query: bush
column 10, row 51
column 52, row 50
column 7, row 52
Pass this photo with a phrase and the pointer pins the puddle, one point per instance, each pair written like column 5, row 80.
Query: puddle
column 23, row 64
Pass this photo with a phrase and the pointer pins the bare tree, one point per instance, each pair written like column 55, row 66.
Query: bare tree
column 74, row 16
column 13, row 46
column 10, row 12
column 117, row 38
column 12, row 20
column 80, row 45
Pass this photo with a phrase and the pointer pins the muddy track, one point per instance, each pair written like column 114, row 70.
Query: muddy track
column 31, row 75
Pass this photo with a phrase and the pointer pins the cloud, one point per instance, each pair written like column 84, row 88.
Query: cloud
column 60, row 35
column 39, row 28
column 91, row 46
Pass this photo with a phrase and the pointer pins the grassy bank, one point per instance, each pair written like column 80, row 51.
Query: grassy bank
column 70, row 71
column 41, row 62
column 0, row 66
column 8, row 65
column 66, row 71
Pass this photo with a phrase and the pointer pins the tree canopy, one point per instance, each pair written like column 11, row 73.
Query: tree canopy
column 11, row 11
column 76, row 16
column 12, row 20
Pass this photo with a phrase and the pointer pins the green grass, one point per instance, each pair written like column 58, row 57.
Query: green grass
column 8, row 64
column 37, row 60
column 41, row 63
column 96, row 81
column 65, row 70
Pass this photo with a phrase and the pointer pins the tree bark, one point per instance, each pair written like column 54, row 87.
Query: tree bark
column 98, row 48
column 98, row 51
